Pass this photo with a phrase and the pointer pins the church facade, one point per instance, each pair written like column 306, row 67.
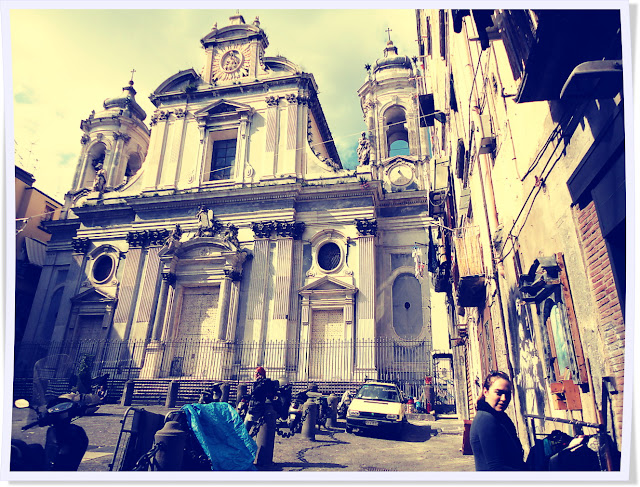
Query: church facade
column 226, row 234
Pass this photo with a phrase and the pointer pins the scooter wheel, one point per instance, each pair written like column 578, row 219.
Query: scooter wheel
column 349, row 429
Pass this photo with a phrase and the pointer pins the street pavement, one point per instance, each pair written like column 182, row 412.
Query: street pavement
column 427, row 446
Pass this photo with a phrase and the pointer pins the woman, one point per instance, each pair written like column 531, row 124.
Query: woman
column 494, row 440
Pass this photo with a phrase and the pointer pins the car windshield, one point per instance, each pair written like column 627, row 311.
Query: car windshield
column 380, row 393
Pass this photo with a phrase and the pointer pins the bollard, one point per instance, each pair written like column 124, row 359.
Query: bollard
column 172, row 394
column 127, row 394
column 333, row 401
column 172, row 439
column 226, row 388
column 266, row 437
column 241, row 391
column 310, row 408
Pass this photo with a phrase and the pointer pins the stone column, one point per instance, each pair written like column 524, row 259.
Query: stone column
column 366, row 301
column 305, row 338
column 259, row 281
column 119, row 141
column 153, row 162
column 223, row 305
column 289, row 162
column 271, row 144
column 126, row 303
column 168, row 279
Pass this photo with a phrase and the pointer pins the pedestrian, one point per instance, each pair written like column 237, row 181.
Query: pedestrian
column 494, row 440
column 261, row 391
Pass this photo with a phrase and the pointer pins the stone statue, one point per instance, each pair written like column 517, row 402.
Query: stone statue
column 205, row 221
column 363, row 149
column 231, row 236
column 100, row 180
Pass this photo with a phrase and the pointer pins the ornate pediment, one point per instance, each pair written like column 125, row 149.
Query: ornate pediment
column 92, row 295
column 328, row 285
column 224, row 107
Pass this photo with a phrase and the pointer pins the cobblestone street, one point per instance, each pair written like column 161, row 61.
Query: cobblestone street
column 425, row 446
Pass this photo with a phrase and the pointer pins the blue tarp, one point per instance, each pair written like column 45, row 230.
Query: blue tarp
column 223, row 436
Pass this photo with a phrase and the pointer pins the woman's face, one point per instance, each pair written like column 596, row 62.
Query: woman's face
column 498, row 396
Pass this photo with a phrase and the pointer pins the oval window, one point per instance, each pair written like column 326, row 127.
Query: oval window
column 329, row 256
column 102, row 268
column 407, row 306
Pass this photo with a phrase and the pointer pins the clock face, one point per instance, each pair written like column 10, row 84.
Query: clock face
column 401, row 175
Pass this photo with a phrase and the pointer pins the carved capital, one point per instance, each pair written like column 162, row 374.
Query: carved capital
column 139, row 238
column 263, row 229
column 119, row 135
column 272, row 101
column 170, row 277
column 289, row 229
column 80, row 244
column 292, row 98
column 235, row 276
column 367, row 227
column 85, row 139
column 180, row 113
column 158, row 237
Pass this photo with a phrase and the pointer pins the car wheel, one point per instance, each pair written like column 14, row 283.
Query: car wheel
column 349, row 429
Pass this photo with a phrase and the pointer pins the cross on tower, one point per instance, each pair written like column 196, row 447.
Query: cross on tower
column 132, row 71
column 388, row 31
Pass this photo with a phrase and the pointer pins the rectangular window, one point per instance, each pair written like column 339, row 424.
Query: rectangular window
column 223, row 159
column 443, row 34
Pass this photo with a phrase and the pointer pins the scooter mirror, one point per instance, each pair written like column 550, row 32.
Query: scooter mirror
column 21, row 403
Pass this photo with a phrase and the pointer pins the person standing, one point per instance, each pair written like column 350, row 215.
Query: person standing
column 494, row 441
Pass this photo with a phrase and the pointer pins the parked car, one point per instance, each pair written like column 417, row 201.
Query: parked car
column 377, row 405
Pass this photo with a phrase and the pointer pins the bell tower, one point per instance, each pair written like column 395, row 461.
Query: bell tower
column 397, row 149
column 114, row 144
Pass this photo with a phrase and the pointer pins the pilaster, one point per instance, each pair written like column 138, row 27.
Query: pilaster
column 272, row 134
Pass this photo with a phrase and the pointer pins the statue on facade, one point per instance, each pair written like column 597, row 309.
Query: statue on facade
column 230, row 236
column 100, row 180
column 363, row 149
column 205, row 222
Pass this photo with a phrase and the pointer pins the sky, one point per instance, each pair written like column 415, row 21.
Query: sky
column 66, row 62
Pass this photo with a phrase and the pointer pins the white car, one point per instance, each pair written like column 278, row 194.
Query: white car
column 378, row 405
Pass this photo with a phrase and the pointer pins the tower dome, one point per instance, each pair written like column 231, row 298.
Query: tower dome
column 125, row 104
column 391, row 59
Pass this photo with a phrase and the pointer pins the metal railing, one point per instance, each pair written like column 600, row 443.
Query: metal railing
column 406, row 362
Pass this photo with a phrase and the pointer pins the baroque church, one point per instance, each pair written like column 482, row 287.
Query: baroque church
column 223, row 232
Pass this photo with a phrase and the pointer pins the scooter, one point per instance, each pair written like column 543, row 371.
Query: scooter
column 65, row 444
column 344, row 403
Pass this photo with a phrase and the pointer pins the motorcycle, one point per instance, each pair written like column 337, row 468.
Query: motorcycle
column 65, row 443
column 213, row 394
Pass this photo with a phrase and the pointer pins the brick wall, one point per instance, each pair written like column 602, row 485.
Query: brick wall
column 610, row 320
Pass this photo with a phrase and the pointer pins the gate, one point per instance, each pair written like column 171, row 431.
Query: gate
column 444, row 392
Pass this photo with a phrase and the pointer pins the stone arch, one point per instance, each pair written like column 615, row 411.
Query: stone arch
column 396, row 131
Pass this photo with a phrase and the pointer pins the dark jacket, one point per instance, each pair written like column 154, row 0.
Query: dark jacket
column 494, row 441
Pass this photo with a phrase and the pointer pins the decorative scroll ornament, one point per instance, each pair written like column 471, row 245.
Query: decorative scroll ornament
column 80, row 244
column 367, row 227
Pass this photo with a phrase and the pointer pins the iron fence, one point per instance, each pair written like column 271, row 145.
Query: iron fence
column 406, row 362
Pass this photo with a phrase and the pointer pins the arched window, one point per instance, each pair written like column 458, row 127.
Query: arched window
column 133, row 165
column 95, row 158
column 396, row 131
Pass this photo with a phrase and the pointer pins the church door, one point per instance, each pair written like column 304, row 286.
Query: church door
column 326, row 350
column 194, row 353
